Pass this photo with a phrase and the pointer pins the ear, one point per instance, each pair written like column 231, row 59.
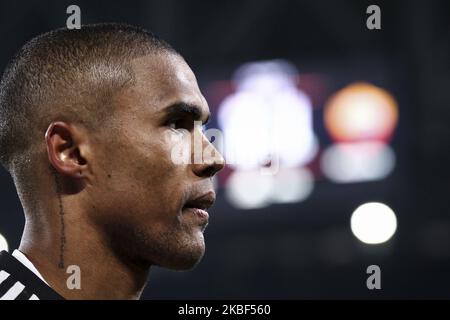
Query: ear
column 65, row 149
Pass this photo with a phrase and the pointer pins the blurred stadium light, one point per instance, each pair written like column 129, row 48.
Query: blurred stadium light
column 361, row 112
column 249, row 189
column 267, row 117
column 3, row 243
column 357, row 162
column 267, row 121
column 361, row 118
column 373, row 223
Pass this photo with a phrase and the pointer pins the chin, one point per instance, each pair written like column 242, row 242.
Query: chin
column 185, row 265
column 185, row 258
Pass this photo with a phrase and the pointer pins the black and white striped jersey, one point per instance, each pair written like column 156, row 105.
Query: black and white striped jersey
column 17, row 282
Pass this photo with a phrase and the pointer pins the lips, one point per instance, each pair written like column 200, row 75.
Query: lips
column 203, row 202
column 199, row 205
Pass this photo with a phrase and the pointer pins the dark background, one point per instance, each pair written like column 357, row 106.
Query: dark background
column 296, row 251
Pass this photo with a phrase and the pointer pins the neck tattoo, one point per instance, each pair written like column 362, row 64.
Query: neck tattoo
column 61, row 215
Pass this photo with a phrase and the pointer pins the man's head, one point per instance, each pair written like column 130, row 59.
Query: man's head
column 98, row 111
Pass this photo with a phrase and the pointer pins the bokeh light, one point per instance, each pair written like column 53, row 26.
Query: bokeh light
column 267, row 117
column 3, row 243
column 359, row 112
column 373, row 223
column 249, row 189
column 357, row 162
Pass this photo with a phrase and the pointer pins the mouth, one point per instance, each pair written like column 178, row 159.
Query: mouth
column 199, row 205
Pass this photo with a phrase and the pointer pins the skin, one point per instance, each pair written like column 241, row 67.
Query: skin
column 114, row 204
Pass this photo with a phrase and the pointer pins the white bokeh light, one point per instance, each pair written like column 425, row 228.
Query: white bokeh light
column 373, row 223
column 357, row 162
column 292, row 185
column 267, row 117
column 249, row 189
column 3, row 243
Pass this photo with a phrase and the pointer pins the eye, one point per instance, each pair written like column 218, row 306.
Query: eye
column 181, row 124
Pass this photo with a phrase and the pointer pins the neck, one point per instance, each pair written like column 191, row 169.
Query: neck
column 69, row 242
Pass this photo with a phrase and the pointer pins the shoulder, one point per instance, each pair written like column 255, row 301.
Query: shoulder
column 17, row 282
column 11, row 288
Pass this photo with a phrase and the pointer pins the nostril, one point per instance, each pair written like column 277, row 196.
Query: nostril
column 210, row 171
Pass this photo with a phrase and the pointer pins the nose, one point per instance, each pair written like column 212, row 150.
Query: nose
column 211, row 162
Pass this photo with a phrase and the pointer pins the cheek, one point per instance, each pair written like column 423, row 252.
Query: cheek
column 142, row 178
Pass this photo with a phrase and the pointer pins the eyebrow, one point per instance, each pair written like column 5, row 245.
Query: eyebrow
column 181, row 109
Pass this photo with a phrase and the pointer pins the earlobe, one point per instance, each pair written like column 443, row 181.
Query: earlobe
column 63, row 150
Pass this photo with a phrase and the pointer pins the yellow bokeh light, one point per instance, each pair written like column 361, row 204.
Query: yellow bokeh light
column 361, row 112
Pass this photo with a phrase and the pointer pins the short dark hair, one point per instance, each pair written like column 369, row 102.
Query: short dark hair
column 66, row 75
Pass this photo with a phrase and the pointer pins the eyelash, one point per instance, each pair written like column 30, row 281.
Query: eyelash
column 186, row 124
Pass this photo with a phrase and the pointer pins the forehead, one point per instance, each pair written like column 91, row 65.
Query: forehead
column 163, row 79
